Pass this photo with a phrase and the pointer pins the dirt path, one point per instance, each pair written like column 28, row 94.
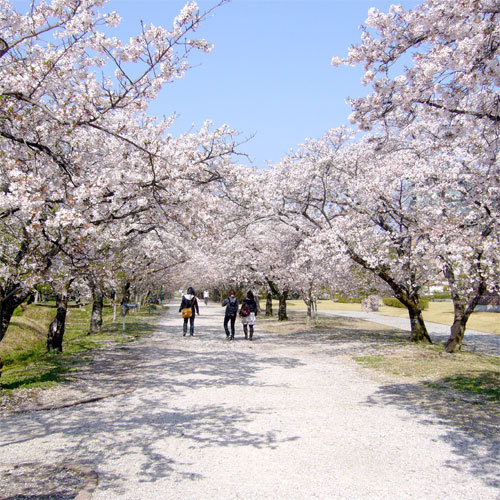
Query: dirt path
column 288, row 417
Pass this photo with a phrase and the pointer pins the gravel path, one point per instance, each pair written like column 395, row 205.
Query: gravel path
column 282, row 417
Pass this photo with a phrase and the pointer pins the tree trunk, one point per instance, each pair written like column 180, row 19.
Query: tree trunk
column 7, row 307
column 115, row 306
column 97, row 307
column 58, row 326
column 310, row 305
column 457, row 332
column 269, row 304
column 126, row 293
column 418, row 328
column 282, row 306
column 461, row 316
column 12, row 295
column 409, row 300
column 257, row 301
column 216, row 295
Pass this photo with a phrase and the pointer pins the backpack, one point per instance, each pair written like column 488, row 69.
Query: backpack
column 245, row 310
column 232, row 308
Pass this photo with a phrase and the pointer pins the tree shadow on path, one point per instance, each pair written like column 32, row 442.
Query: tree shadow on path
column 473, row 434
column 145, row 427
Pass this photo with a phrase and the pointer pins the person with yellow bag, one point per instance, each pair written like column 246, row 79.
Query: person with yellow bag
column 189, row 308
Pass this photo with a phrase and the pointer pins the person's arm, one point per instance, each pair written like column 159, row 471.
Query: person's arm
column 224, row 303
column 196, row 306
column 182, row 305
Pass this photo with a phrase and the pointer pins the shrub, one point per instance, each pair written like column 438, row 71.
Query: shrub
column 342, row 299
column 424, row 303
column 393, row 302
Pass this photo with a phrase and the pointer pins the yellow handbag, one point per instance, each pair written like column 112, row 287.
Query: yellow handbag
column 187, row 312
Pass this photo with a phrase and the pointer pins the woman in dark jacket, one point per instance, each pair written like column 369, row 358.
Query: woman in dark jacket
column 248, row 313
column 189, row 301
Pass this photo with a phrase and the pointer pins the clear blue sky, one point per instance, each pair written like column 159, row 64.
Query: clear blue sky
column 270, row 71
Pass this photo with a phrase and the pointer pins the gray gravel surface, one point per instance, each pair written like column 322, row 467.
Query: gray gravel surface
column 282, row 417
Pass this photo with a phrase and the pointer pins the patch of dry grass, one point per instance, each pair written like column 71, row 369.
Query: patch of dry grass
column 425, row 363
column 341, row 328
column 295, row 323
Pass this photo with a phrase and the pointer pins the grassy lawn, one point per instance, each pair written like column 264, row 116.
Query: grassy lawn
column 465, row 371
column 23, row 349
column 438, row 312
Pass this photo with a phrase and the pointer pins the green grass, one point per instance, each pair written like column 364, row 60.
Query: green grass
column 372, row 361
column 465, row 372
column 43, row 377
column 27, row 365
column 486, row 385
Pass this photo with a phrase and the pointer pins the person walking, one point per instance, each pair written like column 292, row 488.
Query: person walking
column 205, row 297
column 248, row 314
column 231, row 304
column 189, row 308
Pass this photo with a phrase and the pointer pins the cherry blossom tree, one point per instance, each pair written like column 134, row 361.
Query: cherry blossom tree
column 459, row 217
column 317, row 272
column 359, row 199
column 454, row 73
column 67, row 133
column 411, row 209
column 449, row 89
column 147, row 226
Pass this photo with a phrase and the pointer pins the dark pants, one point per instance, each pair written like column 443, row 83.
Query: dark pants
column 245, row 330
column 227, row 319
column 191, row 325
